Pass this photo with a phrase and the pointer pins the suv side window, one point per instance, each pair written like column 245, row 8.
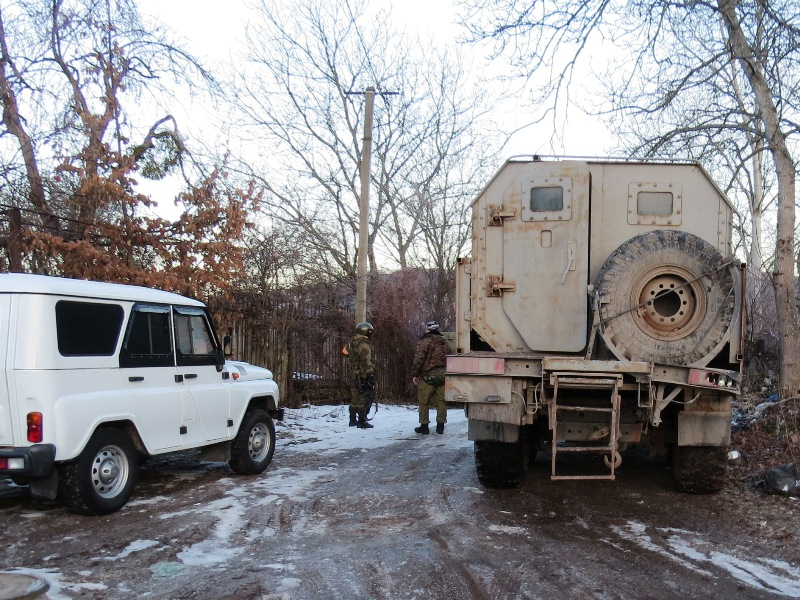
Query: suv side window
column 148, row 342
column 194, row 337
column 88, row 328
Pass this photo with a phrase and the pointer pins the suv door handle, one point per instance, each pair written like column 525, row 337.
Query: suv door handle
column 191, row 375
column 135, row 378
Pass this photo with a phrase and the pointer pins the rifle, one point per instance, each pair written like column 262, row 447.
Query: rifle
column 368, row 391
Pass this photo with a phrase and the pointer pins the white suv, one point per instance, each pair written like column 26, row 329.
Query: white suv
column 96, row 376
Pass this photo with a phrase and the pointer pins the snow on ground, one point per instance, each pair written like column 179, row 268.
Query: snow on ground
column 692, row 550
column 322, row 432
column 323, row 429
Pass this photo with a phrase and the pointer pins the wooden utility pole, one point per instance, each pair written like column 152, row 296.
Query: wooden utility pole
column 363, row 226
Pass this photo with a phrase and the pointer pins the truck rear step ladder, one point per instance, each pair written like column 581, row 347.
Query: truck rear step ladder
column 590, row 381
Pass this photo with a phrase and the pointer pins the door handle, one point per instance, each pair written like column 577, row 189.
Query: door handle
column 570, row 261
column 135, row 378
column 191, row 375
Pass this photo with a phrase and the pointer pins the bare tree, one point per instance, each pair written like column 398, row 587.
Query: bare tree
column 76, row 80
column 301, row 90
column 677, row 58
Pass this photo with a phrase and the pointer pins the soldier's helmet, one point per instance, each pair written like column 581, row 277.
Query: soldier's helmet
column 364, row 329
column 431, row 325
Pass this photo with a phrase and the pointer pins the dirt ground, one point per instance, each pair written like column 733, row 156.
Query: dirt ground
column 406, row 518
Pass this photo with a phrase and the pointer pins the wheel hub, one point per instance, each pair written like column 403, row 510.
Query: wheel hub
column 258, row 443
column 670, row 302
column 108, row 470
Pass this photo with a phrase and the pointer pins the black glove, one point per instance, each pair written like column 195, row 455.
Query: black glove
column 368, row 381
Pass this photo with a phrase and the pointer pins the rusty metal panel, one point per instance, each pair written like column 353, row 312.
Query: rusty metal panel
column 463, row 305
column 595, row 366
column 511, row 413
column 480, row 365
column 704, row 428
column 477, row 388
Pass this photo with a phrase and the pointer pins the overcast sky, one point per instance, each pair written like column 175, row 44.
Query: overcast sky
column 213, row 30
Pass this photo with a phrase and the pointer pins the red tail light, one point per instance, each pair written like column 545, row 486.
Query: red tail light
column 35, row 429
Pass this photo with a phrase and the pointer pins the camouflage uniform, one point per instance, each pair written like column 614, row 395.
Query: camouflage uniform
column 361, row 377
column 428, row 366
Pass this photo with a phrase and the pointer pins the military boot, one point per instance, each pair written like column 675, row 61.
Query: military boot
column 353, row 420
column 362, row 421
column 423, row 428
column 440, row 428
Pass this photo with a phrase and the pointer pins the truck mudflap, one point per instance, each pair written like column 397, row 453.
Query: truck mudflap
column 30, row 461
column 492, row 431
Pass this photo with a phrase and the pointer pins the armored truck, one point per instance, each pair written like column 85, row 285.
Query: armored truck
column 601, row 308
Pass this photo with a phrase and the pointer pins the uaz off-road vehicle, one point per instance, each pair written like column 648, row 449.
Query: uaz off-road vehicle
column 96, row 376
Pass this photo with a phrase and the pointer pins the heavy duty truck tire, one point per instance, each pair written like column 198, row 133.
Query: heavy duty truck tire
column 700, row 469
column 102, row 478
column 667, row 297
column 501, row 465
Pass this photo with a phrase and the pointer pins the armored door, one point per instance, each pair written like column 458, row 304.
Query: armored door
column 546, row 256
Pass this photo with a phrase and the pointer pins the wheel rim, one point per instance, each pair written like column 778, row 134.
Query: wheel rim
column 110, row 471
column 671, row 303
column 258, row 442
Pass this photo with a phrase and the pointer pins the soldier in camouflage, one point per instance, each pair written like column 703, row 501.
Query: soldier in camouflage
column 428, row 376
column 361, row 375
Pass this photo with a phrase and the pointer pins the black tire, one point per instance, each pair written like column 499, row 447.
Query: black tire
column 254, row 444
column 667, row 297
column 700, row 469
column 501, row 465
column 101, row 480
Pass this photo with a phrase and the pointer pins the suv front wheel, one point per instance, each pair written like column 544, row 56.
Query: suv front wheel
column 254, row 444
column 102, row 478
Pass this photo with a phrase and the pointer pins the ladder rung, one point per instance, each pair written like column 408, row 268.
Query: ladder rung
column 557, row 477
column 585, row 381
column 583, row 408
column 586, row 449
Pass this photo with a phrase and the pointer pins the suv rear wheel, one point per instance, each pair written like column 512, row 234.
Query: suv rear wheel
column 102, row 478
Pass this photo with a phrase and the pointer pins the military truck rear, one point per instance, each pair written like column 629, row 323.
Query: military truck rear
column 601, row 307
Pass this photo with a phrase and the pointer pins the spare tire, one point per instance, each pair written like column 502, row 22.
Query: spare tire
column 668, row 297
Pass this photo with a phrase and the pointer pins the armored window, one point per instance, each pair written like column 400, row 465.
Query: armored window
column 545, row 199
column 88, row 328
column 194, row 337
column 148, row 342
column 656, row 204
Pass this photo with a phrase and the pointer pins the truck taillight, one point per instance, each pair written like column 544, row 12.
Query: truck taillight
column 710, row 378
column 35, row 429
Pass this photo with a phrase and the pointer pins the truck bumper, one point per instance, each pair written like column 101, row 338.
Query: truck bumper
column 31, row 461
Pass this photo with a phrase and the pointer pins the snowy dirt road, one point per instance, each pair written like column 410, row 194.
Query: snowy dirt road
column 389, row 514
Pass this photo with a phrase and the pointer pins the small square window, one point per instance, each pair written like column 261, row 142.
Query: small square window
column 547, row 199
column 654, row 204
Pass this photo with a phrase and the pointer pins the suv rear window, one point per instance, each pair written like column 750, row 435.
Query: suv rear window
column 87, row 328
